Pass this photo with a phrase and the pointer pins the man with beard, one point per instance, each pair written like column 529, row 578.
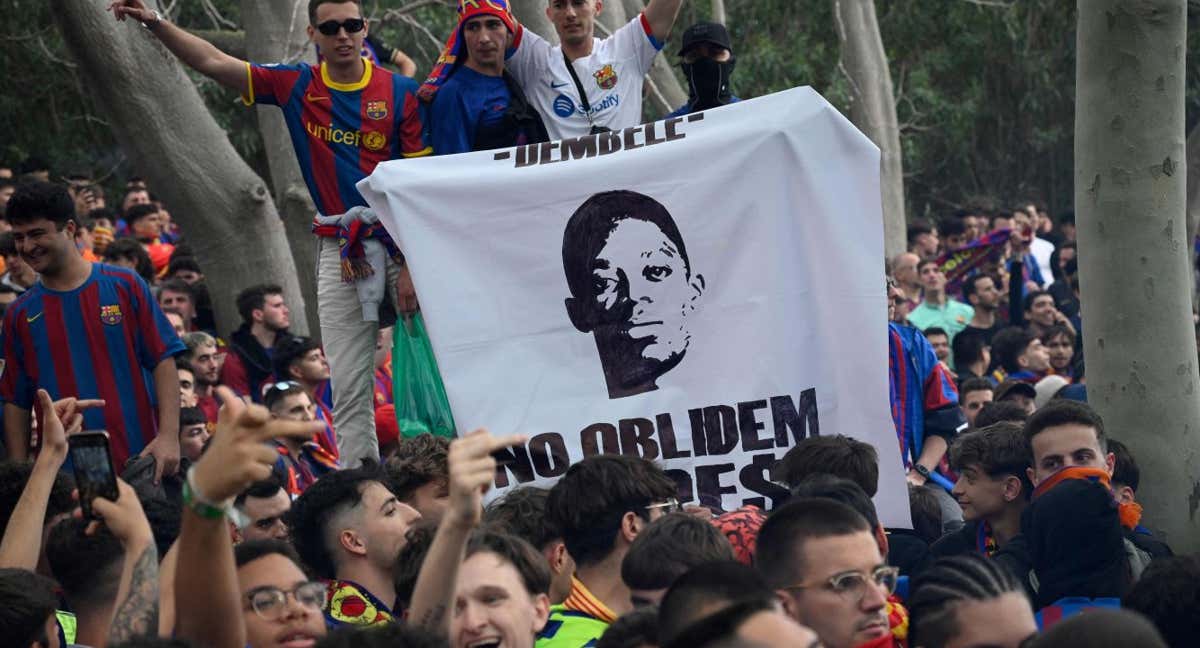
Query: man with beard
column 201, row 355
column 707, row 61
column 265, row 321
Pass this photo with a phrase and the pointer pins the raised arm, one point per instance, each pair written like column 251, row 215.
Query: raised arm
column 165, row 446
column 472, row 470
column 195, row 52
column 136, row 611
column 16, row 431
column 661, row 15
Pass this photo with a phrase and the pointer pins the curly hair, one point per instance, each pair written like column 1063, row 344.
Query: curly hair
column 420, row 460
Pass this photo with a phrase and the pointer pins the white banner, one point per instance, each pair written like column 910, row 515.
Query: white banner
column 701, row 291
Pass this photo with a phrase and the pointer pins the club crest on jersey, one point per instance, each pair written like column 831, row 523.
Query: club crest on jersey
column 374, row 140
column 377, row 109
column 111, row 314
column 606, row 77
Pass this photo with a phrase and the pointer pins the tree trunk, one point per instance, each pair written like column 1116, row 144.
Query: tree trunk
column 1130, row 198
column 532, row 14
column 873, row 107
column 275, row 32
column 1193, row 204
column 718, row 12
column 666, row 92
column 161, row 123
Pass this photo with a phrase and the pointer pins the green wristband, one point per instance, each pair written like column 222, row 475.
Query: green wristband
column 199, row 507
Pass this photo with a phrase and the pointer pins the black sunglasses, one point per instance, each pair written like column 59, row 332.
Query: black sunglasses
column 352, row 26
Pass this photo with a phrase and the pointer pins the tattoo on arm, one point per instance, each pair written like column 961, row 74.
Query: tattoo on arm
column 137, row 615
column 434, row 617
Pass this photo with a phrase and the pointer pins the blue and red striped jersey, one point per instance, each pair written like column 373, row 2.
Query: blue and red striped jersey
column 101, row 340
column 341, row 131
column 922, row 393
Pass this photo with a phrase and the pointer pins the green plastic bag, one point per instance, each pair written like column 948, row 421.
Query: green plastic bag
column 418, row 393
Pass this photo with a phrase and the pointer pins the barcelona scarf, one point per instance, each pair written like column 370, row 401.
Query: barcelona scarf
column 985, row 540
column 959, row 264
column 350, row 246
column 446, row 63
column 1129, row 513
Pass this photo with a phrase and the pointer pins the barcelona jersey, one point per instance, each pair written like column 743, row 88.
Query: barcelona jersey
column 341, row 131
column 101, row 340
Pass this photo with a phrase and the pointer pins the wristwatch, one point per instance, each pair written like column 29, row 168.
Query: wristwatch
column 151, row 24
column 921, row 470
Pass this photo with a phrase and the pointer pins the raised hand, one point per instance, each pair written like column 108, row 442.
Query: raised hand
column 239, row 455
column 135, row 9
column 472, row 469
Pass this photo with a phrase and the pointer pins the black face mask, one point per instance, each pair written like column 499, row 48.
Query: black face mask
column 708, row 82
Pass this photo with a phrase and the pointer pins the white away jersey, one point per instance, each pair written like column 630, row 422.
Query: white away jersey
column 611, row 75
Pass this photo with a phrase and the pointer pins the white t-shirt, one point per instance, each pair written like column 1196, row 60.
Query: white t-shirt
column 612, row 76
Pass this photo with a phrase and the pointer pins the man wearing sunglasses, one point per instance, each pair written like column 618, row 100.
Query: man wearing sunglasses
column 824, row 564
column 345, row 116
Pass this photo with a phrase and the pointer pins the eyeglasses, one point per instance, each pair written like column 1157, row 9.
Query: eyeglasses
column 269, row 602
column 669, row 506
column 852, row 586
column 280, row 386
column 351, row 25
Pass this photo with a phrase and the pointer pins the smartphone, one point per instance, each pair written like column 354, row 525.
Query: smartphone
column 91, row 460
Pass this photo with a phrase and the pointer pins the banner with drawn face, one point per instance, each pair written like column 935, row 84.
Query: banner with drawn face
column 703, row 292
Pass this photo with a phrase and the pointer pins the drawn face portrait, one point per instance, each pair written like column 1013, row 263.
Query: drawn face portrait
column 632, row 287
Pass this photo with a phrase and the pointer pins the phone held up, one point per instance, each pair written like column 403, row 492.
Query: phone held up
column 91, row 460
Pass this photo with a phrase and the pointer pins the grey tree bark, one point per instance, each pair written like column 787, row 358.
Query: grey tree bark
column 532, row 14
column 1130, row 197
column 275, row 32
column 873, row 107
column 718, row 12
column 666, row 92
column 161, row 123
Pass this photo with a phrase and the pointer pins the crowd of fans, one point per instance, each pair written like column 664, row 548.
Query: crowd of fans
column 260, row 505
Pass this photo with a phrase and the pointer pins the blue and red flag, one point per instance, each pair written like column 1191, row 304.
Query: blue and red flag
column 961, row 263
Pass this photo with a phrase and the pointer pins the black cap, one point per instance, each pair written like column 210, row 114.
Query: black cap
column 1014, row 387
column 705, row 32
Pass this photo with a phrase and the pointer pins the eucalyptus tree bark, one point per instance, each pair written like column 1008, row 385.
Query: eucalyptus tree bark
column 718, row 12
column 1193, row 203
column 532, row 14
column 666, row 92
column 1130, row 197
column 873, row 107
column 275, row 33
column 161, row 123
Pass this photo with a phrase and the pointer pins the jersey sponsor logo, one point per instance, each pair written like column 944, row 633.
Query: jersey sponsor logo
column 111, row 314
column 336, row 135
column 314, row 98
column 374, row 140
column 377, row 109
column 564, row 106
column 611, row 101
column 606, row 77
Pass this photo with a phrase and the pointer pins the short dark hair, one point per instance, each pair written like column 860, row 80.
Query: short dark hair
column 1125, row 468
column 952, row 226
column 419, row 460
column 33, row 200
column 1061, row 411
column 181, row 263
column 313, row 4
column 974, row 384
column 251, row 550
column 1032, row 297
column 1008, row 345
column 522, row 512
column 916, row 229
column 288, row 352
column 1056, row 330
column 728, row 583
column 417, row 540
column 837, row 455
column 386, row 635
column 274, row 393
column 969, row 285
column 101, row 212
column 1000, row 411
column 780, row 551
column 8, row 245
column 178, row 286
column 132, row 249
column 139, row 211
column 999, row 449
column 938, row 591
column 529, row 562
column 255, row 298
column 839, row 490
column 146, row 641
column 936, row 330
column 191, row 416
column 1168, row 594
column 26, row 601
column 632, row 630
column 967, row 348
column 926, row 512
column 589, row 501
column 14, row 475
column 311, row 512
column 926, row 261
column 668, row 548
column 87, row 567
column 264, row 489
